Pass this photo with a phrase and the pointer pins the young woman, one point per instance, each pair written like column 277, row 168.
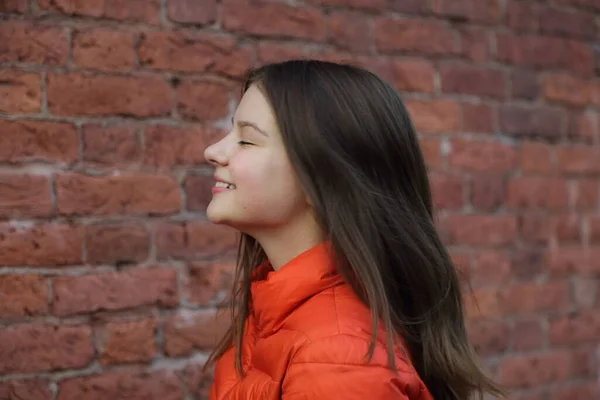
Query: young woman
column 343, row 287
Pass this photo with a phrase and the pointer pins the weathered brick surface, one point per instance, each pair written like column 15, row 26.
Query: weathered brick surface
column 110, row 276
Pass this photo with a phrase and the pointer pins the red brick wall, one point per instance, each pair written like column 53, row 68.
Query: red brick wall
column 108, row 271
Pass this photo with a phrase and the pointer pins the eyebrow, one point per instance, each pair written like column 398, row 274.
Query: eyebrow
column 250, row 124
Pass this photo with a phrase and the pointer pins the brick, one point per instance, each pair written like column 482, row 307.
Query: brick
column 435, row 116
column 489, row 337
column 39, row 348
column 22, row 295
column 594, row 230
column 123, row 384
column 478, row 118
column 414, row 36
column 197, row 192
column 529, row 371
column 200, row 53
column 115, row 291
column 481, row 230
column 474, row 44
column 447, row 191
column 585, row 193
column 583, row 362
column 471, row 80
column 531, row 50
column 111, row 145
column 566, row 89
column 197, row 382
column 26, row 389
column 359, row 4
column 16, row 6
column 490, row 268
column 530, row 192
column 573, row 159
column 273, row 20
column 482, row 156
column 536, row 157
column 201, row 101
column 462, row 262
column 208, row 283
column 268, row 52
column 567, row 23
column 27, row 141
column 575, row 328
column 538, row 121
column 193, row 239
column 528, row 262
column 412, row 75
column 379, row 65
column 170, row 146
column 51, row 244
column 482, row 303
column 432, row 151
column 524, row 84
column 578, row 58
column 127, row 341
column 123, row 10
column 577, row 391
column 488, row 192
column 34, row 43
column 527, row 335
column 20, row 92
column 569, row 260
column 534, row 228
column 117, row 243
column 349, row 31
column 123, row 194
column 486, row 11
column 193, row 330
column 24, row 196
column 586, row 4
column 583, row 126
column 103, row 49
column 103, row 95
column 330, row 54
column 197, row 12
column 532, row 297
column 522, row 16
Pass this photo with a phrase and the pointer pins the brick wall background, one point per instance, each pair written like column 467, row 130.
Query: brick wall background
column 109, row 272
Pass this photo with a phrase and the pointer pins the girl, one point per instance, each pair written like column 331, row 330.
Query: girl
column 345, row 289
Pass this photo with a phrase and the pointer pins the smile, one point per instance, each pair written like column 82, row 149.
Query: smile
column 222, row 187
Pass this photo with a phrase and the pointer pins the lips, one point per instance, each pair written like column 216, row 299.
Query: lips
column 222, row 186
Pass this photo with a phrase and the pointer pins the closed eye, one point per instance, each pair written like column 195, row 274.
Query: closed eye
column 244, row 143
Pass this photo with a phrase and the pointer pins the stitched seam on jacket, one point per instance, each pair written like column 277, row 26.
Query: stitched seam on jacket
column 337, row 315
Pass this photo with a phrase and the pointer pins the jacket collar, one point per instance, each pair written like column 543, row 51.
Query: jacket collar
column 275, row 294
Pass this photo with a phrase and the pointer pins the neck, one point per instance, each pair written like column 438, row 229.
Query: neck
column 283, row 244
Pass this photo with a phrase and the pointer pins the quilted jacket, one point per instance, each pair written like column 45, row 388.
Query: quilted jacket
column 306, row 338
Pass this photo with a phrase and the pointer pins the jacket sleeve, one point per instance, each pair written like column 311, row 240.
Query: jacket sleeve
column 336, row 373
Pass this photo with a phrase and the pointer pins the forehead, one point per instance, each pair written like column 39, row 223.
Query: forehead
column 254, row 107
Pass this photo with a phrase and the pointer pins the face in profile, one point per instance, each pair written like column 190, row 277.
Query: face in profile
column 256, row 187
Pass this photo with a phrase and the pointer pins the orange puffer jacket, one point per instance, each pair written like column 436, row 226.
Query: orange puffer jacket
column 306, row 338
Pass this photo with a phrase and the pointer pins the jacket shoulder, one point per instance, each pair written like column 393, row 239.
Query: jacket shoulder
column 332, row 312
column 340, row 361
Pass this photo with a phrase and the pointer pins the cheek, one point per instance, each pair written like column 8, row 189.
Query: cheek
column 267, row 181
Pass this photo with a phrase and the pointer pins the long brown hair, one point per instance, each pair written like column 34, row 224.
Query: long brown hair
column 355, row 151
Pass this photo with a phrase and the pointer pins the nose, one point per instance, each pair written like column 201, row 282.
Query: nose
column 216, row 153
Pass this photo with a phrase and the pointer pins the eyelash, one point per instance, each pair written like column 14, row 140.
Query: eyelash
column 244, row 143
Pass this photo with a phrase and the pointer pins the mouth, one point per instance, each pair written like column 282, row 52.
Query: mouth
column 221, row 187
column 224, row 185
